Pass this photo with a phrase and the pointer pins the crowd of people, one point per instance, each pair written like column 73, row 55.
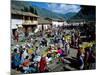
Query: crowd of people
column 36, row 53
column 87, row 58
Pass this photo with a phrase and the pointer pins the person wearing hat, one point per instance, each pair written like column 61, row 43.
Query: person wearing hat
column 81, row 61
column 16, row 59
column 66, row 47
column 16, row 36
column 80, row 57
column 25, row 53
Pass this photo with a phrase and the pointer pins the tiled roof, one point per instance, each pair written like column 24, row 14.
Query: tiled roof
column 23, row 13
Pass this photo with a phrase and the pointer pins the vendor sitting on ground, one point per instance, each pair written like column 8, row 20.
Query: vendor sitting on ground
column 60, row 51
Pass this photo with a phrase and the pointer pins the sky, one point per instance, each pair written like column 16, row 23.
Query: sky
column 57, row 7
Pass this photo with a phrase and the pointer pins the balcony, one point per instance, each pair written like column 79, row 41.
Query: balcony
column 29, row 22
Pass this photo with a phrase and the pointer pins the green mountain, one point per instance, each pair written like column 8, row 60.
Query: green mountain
column 87, row 13
column 67, row 16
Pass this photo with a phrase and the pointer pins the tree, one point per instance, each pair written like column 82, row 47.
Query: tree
column 35, row 11
column 87, row 10
column 31, row 9
column 26, row 9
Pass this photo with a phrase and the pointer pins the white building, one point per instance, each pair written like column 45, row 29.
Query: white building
column 44, row 24
column 57, row 22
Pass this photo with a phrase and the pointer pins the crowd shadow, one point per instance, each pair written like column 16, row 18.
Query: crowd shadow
column 66, row 69
column 74, row 63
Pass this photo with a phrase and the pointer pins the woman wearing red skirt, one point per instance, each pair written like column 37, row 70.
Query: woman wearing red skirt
column 43, row 65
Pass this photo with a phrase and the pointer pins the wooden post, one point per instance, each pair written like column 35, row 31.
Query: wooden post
column 42, row 27
column 23, row 19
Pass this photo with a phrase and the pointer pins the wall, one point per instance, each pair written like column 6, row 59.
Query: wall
column 14, row 22
column 55, row 23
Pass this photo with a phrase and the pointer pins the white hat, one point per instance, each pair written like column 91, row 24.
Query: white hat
column 23, row 46
column 17, row 46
